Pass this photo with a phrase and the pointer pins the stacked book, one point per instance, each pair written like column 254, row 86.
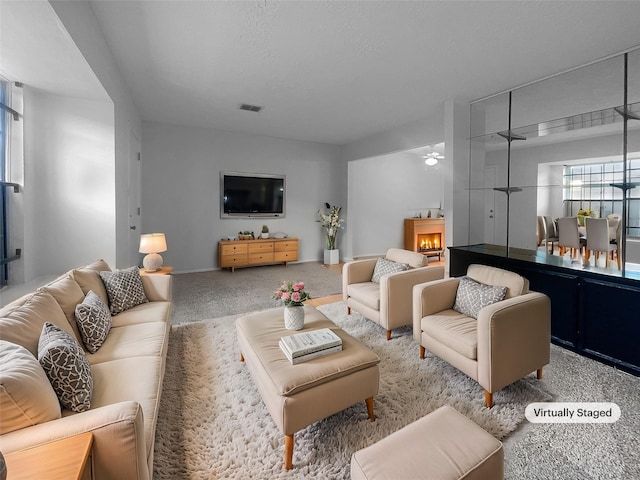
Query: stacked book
column 307, row 345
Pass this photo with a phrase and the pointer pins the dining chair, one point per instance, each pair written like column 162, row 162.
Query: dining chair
column 614, row 223
column 550, row 232
column 540, row 231
column 598, row 239
column 569, row 237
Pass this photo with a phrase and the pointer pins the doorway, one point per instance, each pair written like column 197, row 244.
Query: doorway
column 490, row 173
column 134, row 198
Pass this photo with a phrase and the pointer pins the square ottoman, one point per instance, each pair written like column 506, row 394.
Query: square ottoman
column 444, row 445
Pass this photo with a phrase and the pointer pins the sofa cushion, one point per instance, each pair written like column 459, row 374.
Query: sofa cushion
column 124, row 288
column 88, row 278
column 22, row 320
column 155, row 312
column 387, row 267
column 138, row 379
column 94, row 321
column 26, row 396
column 455, row 330
column 67, row 368
column 472, row 296
column 367, row 293
column 68, row 294
column 138, row 340
column 516, row 284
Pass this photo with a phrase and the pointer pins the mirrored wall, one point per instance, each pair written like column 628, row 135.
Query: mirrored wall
column 562, row 147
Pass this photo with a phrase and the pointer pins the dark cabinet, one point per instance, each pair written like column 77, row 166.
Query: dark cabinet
column 593, row 314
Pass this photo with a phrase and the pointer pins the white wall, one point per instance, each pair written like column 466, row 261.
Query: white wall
column 181, row 189
column 79, row 20
column 385, row 190
column 456, row 172
column 437, row 127
column 426, row 131
column 69, row 183
column 549, row 193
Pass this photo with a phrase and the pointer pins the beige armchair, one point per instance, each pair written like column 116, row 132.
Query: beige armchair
column 388, row 302
column 510, row 338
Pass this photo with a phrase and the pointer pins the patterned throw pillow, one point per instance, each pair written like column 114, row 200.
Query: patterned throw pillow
column 386, row 267
column 94, row 321
column 473, row 296
column 124, row 288
column 67, row 368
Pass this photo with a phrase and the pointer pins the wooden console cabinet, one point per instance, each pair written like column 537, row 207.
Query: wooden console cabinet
column 249, row 253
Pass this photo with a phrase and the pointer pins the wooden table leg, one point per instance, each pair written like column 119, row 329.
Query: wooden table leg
column 288, row 452
column 369, row 402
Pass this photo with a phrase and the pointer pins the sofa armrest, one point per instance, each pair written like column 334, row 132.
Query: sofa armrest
column 157, row 288
column 119, row 447
column 358, row 271
column 514, row 339
column 430, row 298
column 396, row 293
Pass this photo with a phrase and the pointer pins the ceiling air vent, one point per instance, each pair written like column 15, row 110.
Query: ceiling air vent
column 250, row 108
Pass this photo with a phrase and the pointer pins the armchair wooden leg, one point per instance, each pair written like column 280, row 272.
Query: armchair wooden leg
column 488, row 399
column 348, row 310
column 422, row 352
column 388, row 335
column 241, row 357
column 369, row 402
column 288, row 452
column 539, row 373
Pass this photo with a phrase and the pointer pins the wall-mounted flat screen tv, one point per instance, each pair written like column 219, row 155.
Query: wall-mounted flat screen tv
column 251, row 195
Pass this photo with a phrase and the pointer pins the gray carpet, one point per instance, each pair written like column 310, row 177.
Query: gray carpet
column 580, row 451
column 213, row 423
column 532, row 451
column 220, row 293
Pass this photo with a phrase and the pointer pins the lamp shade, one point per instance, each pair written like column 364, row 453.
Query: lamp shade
column 153, row 243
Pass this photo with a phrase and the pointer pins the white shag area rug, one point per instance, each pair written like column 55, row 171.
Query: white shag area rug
column 214, row 425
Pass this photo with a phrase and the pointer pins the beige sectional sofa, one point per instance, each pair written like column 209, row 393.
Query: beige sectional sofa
column 127, row 370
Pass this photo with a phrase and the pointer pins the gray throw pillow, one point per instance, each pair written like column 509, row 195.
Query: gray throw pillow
column 473, row 296
column 94, row 321
column 386, row 267
column 67, row 368
column 124, row 288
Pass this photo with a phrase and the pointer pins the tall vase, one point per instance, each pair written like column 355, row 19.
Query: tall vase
column 332, row 257
column 294, row 317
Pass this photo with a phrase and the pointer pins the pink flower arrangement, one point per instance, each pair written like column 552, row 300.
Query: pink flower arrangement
column 292, row 294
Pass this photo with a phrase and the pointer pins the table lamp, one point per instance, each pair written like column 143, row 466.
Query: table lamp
column 152, row 244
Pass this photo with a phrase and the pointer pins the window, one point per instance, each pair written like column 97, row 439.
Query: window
column 4, row 136
column 591, row 186
column 8, row 118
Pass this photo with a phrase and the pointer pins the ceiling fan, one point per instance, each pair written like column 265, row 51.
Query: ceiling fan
column 432, row 157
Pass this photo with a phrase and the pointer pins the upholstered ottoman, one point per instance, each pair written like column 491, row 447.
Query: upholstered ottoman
column 444, row 445
column 299, row 395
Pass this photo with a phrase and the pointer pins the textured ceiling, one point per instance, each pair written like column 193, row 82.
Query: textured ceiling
column 338, row 71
